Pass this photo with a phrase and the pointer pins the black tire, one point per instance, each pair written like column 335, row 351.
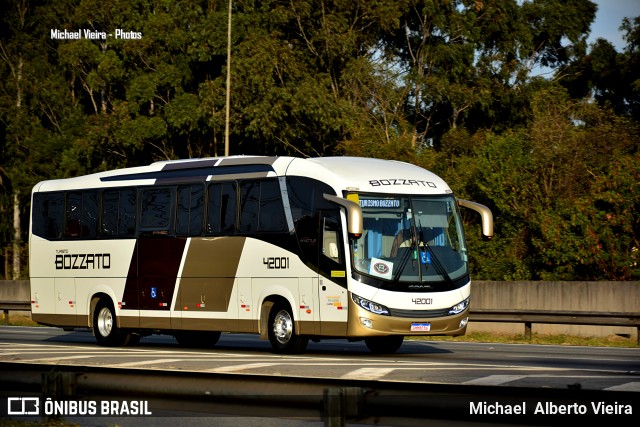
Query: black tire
column 105, row 327
column 282, row 333
column 197, row 339
column 384, row 345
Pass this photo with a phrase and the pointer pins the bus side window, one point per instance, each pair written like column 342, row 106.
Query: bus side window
column 261, row 207
column 81, row 218
column 155, row 211
column 221, row 209
column 89, row 218
column 272, row 216
column 127, row 213
column 48, row 215
column 73, row 211
column 249, row 206
column 213, row 208
column 190, row 210
column 118, row 213
column 109, row 223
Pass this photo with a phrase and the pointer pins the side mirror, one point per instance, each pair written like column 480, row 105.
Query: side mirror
column 485, row 214
column 354, row 214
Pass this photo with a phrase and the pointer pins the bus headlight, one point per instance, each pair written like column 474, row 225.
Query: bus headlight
column 459, row 308
column 370, row 305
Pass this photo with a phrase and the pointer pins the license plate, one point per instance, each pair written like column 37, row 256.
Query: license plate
column 420, row 327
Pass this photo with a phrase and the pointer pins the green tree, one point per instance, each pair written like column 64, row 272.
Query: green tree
column 611, row 77
column 563, row 193
column 443, row 84
column 33, row 119
column 468, row 62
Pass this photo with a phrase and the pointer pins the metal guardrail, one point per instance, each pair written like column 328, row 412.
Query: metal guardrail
column 529, row 317
column 7, row 306
column 335, row 401
column 15, row 305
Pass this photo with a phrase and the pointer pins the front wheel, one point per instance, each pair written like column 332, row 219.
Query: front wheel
column 384, row 345
column 282, row 333
column 105, row 327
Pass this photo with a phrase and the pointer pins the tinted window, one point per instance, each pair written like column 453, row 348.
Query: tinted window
column 190, row 214
column 272, row 216
column 221, row 211
column 48, row 215
column 89, row 219
column 155, row 211
column 261, row 207
column 110, row 201
column 306, row 200
column 127, row 212
column 249, row 206
column 119, row 213
column 306, row 196
column 81, row 215
column 73, row 214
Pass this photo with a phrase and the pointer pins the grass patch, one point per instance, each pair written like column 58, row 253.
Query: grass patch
column 611, row 341
column 17, row 320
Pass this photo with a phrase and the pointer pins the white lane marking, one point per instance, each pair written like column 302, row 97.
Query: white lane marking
column 590, row 359
column 22, row 332
column 142, row 362
column 238, row 368
column 495, row 379
column 195, row 357
column 367, row 373
column 633, row 386
column 57, row 358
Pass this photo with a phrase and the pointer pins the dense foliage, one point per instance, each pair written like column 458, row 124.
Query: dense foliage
column 503, row 98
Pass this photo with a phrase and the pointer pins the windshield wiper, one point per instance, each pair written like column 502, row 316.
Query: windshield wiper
column 440, row 269
column 405, row 257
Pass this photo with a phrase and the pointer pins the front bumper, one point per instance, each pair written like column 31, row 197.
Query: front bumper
column 381, row 325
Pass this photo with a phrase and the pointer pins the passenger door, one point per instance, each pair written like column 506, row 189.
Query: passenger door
column 333, row 281
column 159, row 257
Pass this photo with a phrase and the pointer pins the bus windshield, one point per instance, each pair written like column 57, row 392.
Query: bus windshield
column 411, row 239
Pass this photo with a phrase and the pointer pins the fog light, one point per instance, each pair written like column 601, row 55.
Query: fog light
column 367, row 323
column 464, row 322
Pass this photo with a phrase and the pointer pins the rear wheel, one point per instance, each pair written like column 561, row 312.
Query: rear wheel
column 282, row 333
column 384, row 345
column 105, row 327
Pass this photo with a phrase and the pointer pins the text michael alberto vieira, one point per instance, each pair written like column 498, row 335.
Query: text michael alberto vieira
column 120, row 34
column 550, row 408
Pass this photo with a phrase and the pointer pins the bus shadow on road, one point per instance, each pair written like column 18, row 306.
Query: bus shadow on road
column 249, row 343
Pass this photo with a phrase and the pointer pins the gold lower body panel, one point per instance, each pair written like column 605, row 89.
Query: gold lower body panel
column 380, row 325
column 187, row 324
column 386, row 325
column 61, row 320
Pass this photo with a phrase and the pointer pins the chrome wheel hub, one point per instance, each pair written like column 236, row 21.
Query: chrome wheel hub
column 282, row 327
column 105, row 322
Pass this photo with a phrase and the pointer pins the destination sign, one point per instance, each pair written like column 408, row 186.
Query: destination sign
column 379, row 203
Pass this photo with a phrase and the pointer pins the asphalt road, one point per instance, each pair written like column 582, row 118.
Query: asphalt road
column 513, row 365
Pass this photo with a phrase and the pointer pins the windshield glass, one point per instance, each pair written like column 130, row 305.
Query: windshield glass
column 411, row 239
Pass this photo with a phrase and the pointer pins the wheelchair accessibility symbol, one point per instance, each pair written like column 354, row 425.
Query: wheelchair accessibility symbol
column 154, row 293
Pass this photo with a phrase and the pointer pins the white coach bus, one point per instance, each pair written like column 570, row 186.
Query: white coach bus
column 291, row 249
